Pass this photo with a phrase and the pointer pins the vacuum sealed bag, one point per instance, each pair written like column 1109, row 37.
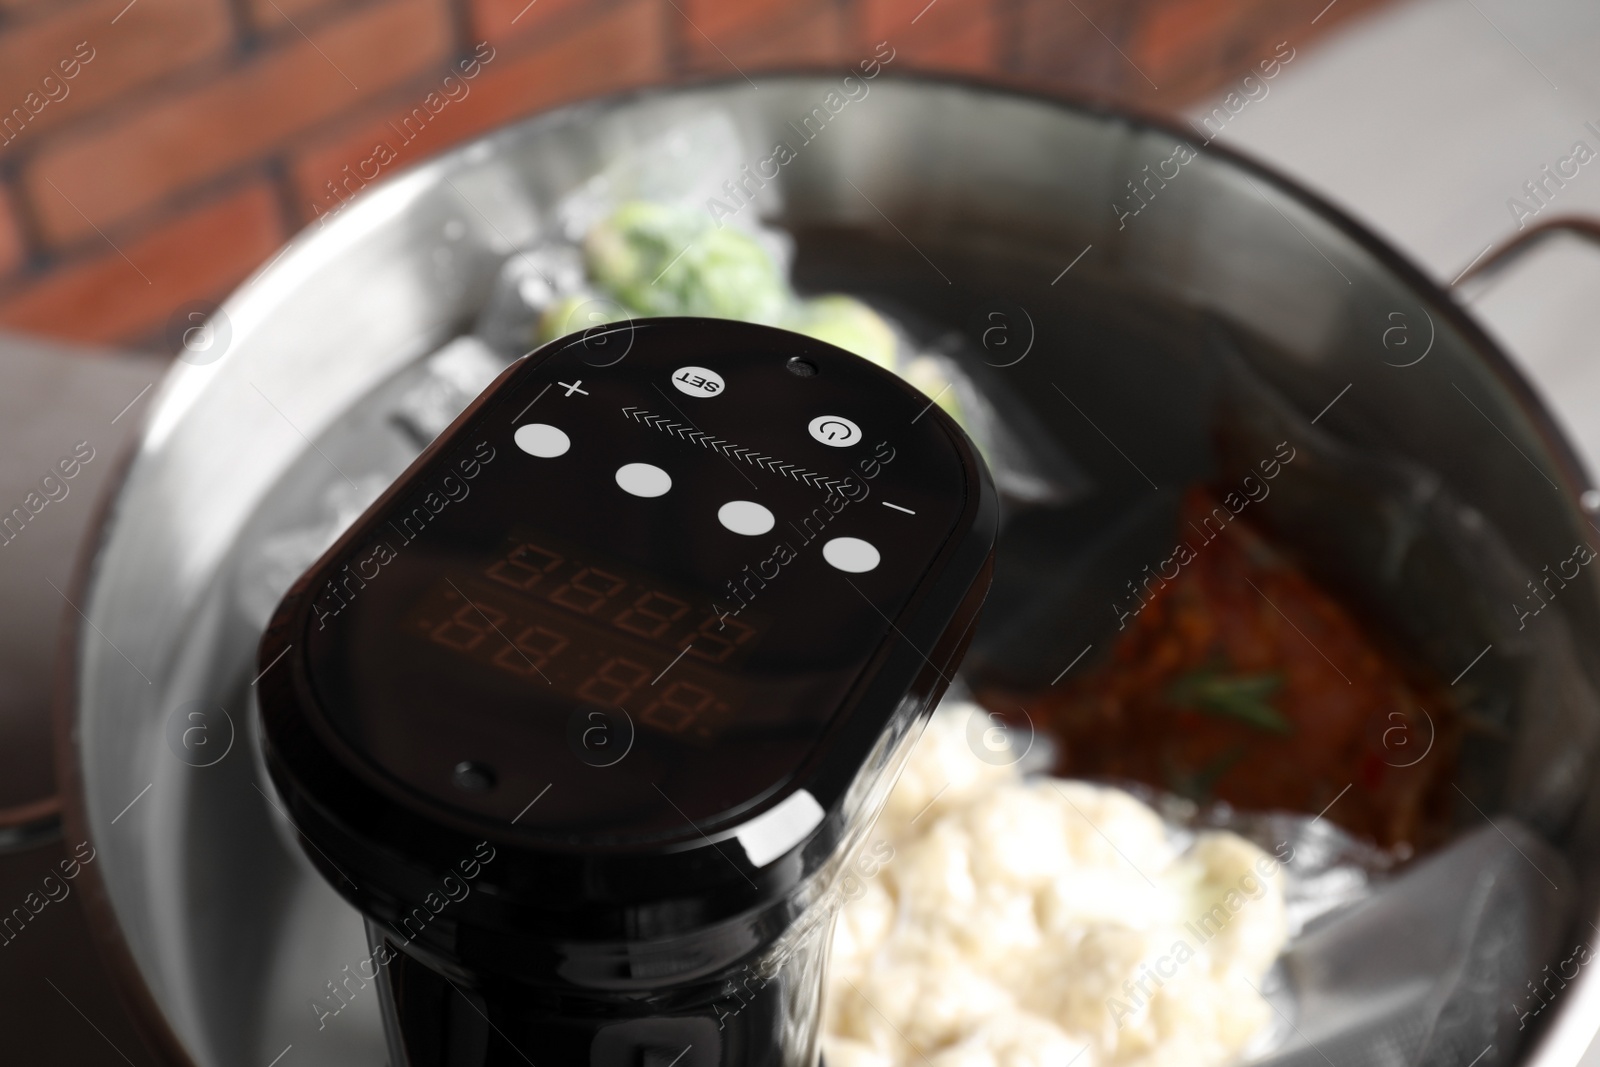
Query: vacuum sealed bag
column 1420, row 929
column 638, row 239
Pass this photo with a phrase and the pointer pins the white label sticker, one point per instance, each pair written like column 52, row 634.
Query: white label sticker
column 698, row 381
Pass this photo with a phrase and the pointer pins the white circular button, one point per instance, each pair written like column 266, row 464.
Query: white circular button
column 643, row 479
column 542, row 440
column 698, row 381
column 835, row 430
column 746, row 517
column 850, row 554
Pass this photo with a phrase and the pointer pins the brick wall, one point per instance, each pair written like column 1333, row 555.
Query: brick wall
column 156, row 152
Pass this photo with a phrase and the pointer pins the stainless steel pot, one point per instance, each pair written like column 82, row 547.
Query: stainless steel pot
column 957, row 201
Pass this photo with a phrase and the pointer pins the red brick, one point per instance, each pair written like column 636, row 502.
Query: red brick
column 201, row 254
column 969, row 49
column 1064, row 47
column 24, row 8
column 892, row 20
column 12, row 249
column 153, row 38
column 793, row 34
column 1168, row 37
column 960, row 35
column 110, row 173
column 720, row 20
column 272, row 16
column 621, row 49
column 499, row 21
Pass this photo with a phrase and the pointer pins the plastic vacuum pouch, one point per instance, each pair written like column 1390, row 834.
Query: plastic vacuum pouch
column 1423, row 953
column 1439, row 962
column 644, row 236
column 1440, row 965
column 385, row 435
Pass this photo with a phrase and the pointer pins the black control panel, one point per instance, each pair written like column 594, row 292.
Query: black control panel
column 645, row 584
column 632, row 639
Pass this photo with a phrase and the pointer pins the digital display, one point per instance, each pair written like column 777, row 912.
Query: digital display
column 616, row 596
column 592, row 633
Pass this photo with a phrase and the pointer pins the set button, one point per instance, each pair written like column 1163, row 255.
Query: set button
column 698, row 381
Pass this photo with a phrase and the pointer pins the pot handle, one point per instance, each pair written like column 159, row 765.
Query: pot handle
column 1514, row 248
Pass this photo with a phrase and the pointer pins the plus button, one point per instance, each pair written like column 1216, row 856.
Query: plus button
column 573, row 388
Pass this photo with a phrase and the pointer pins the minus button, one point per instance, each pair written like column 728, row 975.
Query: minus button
column 897, row 507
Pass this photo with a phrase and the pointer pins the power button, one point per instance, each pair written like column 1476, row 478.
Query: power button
column 835, row 430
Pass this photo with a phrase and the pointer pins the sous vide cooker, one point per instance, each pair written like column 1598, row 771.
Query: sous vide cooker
column 587, row 710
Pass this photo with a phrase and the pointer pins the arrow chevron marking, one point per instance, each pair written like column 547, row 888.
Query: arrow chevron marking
column 728, row 448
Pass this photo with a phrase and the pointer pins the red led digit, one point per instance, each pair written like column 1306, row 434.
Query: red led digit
column 651, row 615
column 524, row 566
column 678, row 707
column 467, row 628
column 614, row 682
column 588, row 590
column 717, row 638
column 534, row 647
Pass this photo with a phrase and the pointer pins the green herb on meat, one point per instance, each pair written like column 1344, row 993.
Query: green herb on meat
column 1197, row 785
column 1241, row 697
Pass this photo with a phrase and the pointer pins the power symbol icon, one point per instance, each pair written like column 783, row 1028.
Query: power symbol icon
column 834, row 430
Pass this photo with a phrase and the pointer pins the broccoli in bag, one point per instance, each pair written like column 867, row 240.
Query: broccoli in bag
column 647, row 247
